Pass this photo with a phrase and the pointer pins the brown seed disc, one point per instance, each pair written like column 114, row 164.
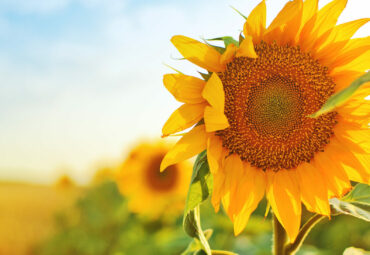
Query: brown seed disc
column 161, row 181
column 267, row 101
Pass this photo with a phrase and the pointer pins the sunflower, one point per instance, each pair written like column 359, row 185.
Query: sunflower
column 253, row 112
column 150, row 192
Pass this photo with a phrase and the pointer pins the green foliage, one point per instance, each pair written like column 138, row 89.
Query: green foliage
column 102, row 225
column 226, row 39
column 342, row 207
column 342, row 96
column 350, row 204
column 360, row 194
column 199, row 190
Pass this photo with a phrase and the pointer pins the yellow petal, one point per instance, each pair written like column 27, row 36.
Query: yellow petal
column 334, row 175
column 233, row 172
column 309, row 10
column 184, row 117
column 246, row 48
column 255, row 24
column 229, row 54
column 359, row 64
column 218, row 189
column 314, row 197
column 327, row 16
column 191, row 144
column 214, row 116
column 214, row 93
column 284, row 196
column 214, row 152
column 290, row 30
column 254, row 194
column 320, row 23
column 342, row 32
column 198, row 53
column 184, row 88
column 284, row 15
column 214, row 119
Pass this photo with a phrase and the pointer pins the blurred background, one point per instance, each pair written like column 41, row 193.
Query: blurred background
column 81, row 86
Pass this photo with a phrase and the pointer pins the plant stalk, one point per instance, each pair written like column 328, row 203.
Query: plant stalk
column 280, row 237
column 293, row 247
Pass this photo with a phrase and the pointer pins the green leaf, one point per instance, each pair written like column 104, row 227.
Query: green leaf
column 205, row 76
column 199, row 190
column 342, row 96
column 226, row 39
column 201, row 183
column 343, row 207
column 195, row 246
column 359, row 194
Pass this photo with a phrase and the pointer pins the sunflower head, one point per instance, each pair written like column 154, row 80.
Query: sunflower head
column 150, row 192
column 253, row 110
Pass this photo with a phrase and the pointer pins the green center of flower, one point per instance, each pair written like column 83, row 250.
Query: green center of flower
column 274, row 107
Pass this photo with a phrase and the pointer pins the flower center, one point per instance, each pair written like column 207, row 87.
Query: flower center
column 161, row 181
column 267, row 101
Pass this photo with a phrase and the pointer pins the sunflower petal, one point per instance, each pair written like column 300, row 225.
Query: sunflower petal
column 334, row 175
column 184, row 88
column 229, row 54
column 315, row 198
column 324, row 20
column 214, row 93
column 246, row 48
column 214, row 119
column 191, row 144
column 198, row 53
column 214, row 116
column 253, row 196
column 214, row 153
column 284, row 15
column 340, row 33
column 284, row 196
column 255, row 24
column 184, row 117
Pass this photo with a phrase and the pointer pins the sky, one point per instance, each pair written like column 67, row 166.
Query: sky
column 81, row 80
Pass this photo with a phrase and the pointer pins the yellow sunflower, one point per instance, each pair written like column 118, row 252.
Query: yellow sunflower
column 252, row 112
column 150, row 192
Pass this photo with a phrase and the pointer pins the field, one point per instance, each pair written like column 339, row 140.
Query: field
column 27, row 214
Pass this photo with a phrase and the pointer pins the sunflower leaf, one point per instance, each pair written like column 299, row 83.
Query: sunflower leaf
column 342, row 96
column 343, row 207
column 195, row 246
column 205, row 76
column 360, row 194
column 199, row 190
column 226, row 39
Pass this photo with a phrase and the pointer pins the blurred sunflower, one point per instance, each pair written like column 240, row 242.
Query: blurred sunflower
column 150, row 192
column 253, row 108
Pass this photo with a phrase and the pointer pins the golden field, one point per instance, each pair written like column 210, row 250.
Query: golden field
column 27, row 213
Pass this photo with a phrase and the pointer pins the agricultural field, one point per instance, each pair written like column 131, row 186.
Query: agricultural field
column 27, row 214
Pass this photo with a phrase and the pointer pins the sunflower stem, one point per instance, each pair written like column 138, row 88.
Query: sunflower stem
column 293, row 247
column 280, row 237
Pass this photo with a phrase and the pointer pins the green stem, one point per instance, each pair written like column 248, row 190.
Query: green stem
column 280, row 237
column 201, row 236
column 293, row 247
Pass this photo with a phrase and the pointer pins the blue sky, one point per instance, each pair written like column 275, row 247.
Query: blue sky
column 81, row 80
